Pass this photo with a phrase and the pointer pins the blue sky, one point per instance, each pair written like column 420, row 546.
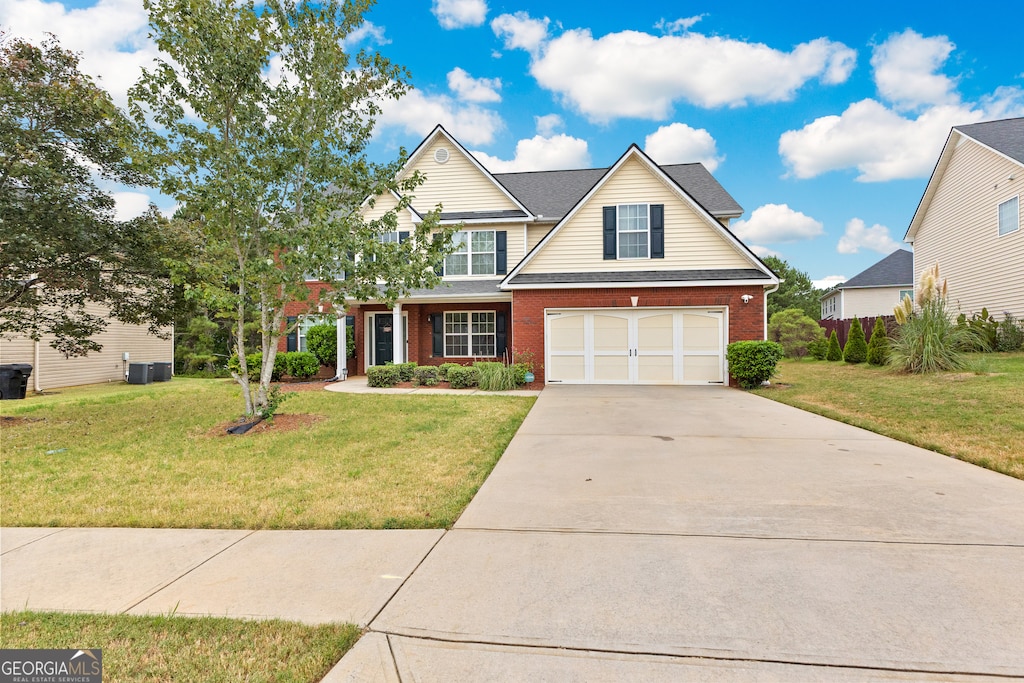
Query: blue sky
column 823, row 120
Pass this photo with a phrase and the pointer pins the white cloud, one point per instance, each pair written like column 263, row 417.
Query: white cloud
column 829, row 281
column 418, row 113
column 679, row 25
column 905, row 70
column 459, row 13
column 367, row 32
column 638, row 75
column 541, row 154
column 764, row 252
column 521, row 31
column 128, row 205
column 858, row 235
column 548, row 125
column 111, row 37
column 678, row 143
column 773, row 223
column 472, row 89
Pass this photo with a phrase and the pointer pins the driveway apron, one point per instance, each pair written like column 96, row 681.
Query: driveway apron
column 703, row 533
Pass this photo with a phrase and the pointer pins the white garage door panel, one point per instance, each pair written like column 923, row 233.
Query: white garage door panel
column 645, row 346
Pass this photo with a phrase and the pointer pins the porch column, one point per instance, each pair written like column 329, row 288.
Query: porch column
column 341, row 359
column 397, row 336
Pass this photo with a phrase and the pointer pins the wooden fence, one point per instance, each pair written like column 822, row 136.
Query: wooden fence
column 842, row 327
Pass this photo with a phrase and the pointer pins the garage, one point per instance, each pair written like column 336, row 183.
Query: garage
column 635, row 346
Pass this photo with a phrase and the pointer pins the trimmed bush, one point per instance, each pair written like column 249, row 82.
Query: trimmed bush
column 752, row 363
column 794, row 329
column 383, row 376
column 818, row 348
column 461, row 377
column 426, row 376
column 406, row 371
column 878, row 346
column 302, row 364
column 835, row 352
column 322, row 342
column 442, row 370
column 856, row 350
column 254, row 363
column 495, row 376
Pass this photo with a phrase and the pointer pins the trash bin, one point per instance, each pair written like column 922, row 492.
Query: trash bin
column 14, row 380
column 162, row 371
column 140, row 373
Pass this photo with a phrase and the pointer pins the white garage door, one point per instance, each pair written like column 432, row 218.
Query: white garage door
column 635, row 346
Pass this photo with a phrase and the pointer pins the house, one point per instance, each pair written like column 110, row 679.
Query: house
column 52, row 370
column 627, row 274
column 968, row 220
column 875, row 291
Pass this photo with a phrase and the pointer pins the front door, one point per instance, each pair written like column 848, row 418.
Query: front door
column 383, row 338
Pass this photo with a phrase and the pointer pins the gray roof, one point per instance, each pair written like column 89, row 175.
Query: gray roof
column 639, row 276
column 553, row 194
column 481, row 215
column 895, row 270
column 1006, row 136
column 460, row 288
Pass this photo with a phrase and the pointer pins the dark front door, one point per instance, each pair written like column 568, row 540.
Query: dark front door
column 383, row 336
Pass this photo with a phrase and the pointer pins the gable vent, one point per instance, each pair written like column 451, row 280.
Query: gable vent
column 441, row 155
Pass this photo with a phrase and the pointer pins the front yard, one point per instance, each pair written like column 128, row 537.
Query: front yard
column 975, row 416
column 158, row 456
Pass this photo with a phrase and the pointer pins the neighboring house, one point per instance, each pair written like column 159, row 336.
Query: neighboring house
column 876, row 291
column 969, row 219
column 626, row 274
column 52, row 370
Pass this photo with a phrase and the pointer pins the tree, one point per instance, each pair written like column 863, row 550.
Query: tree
column 794, row 330
column 64, row 256
column 263, row 120
column 835, row 352
column 878, row 345
column 795, row 291
column 856, row 349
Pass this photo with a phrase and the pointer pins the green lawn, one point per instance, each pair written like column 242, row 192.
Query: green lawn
column 974, row 416
column 186, row 649
column 152, row 456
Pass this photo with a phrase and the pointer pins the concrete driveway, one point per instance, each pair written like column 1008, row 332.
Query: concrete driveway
column 702, row 533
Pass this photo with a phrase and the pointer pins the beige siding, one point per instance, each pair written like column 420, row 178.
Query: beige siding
column 458, row 185
column 385, row 203
column 831, row 306
column 959, row 231
column 54, row 370
column 536, row 234
column 690, row 242
column 870, row 301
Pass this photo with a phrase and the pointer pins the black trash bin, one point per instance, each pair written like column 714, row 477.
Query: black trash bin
column 162, row 371
column 140, row 373
column 14, row 380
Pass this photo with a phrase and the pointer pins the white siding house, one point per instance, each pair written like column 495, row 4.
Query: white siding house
column 876, row 291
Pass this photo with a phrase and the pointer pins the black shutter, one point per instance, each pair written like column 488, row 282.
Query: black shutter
column 293, row 336
column 500, row 252
column 438, row 330
column 439, row 268
column 657, row 231
column 609, row 233
column 403, row 236
column 350, row 262
column 500, row 334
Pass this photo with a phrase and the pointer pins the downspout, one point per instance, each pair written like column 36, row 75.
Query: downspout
column 35, row 367
column 766, row 293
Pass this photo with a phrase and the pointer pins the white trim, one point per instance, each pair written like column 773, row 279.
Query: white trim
column 369, row 349
column 482, row 221
column 998, row 205
column 469, row 333
column 469, row 274
column 627, row 285
column 618, row 221
column 656, row 170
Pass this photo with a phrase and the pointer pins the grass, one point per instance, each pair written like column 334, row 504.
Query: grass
column 976, row 416
column 171, row 648
column 153, row 456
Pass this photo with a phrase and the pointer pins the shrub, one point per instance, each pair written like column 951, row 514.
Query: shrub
column 302, row 364
column 322, row 342
column 426, row 376
column 856, row 350
column 406, row 371
column 199, row 363
column 752, row 363
column 818, row 348
column 984, row 329
column 794, row 330
column 1011, row 335
column 878, row 347
column 254, row 363
column 442, row 370
column 275, row 397
column 835, row 352
column 382, row 376
column 496, row 376
column 927, row 340
column 460, row 377
column 520, row 370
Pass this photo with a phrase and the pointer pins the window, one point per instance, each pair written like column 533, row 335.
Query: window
column 633, row 231
column 474, row 253
column 904, row 293
column 308, row 321
column 1009, row 216
column 468, row 334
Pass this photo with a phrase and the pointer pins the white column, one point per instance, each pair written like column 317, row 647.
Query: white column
column 397, row 337
column 342, row 338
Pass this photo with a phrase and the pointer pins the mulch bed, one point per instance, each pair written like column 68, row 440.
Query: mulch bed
column 285, row 422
